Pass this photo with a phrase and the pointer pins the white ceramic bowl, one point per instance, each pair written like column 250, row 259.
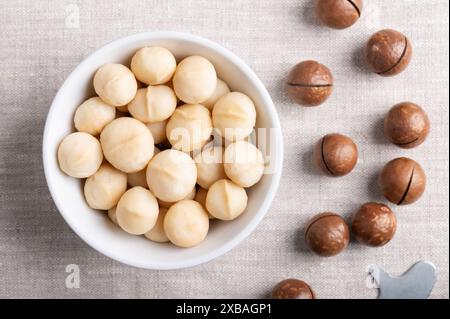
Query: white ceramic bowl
column 98, row 231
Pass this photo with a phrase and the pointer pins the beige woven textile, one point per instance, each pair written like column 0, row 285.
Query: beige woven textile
column 42, row 41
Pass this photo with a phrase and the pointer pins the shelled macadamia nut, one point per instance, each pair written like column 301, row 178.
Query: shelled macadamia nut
column 127, row 144
column 226, row 200
column 157, row 233
column 327, row 234
column 406, row 125
column 80, row 155
column 221, row 89
column 170, row 84
column 93, row 115
column 402, row 181
column 234, row 116
column 171, row 175
column 191, row 195
column 209, row 166
column 388, row 52
column 338, row 14
column 140, row 178
column 292, row 289
column 186, row 223
column 310, row 83
column 112, row 215
column 153, row 65
column 115, row 84
column 194, row 80
column 200, row 197
column 374, row 224
column 137, row 211
column 243, row 163
column 335, row 154
column 153, row 104
column 189, row 128
column 104, row 189
column 158, row 130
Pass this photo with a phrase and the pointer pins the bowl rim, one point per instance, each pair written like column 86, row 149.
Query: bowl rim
column 265, row 205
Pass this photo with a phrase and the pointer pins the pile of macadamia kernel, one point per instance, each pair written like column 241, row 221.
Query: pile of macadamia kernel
column 171, row 191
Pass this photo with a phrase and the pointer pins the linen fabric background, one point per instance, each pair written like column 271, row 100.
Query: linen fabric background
column 43, row 41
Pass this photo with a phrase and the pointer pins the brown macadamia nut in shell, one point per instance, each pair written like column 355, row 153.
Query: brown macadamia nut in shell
column 310, row 83
column 388, row 52
column 338, row 14
column 406, row 125
column 402, row 181
column 374, row 224
column 327, row 234
column 335, row 154
column 292, row 289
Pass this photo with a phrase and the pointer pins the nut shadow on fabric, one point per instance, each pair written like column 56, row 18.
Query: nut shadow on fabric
column 300, row 243
column 377, row 131
column 373, row 189
column 308, row 16
column 307, row 163
column 358, row 60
